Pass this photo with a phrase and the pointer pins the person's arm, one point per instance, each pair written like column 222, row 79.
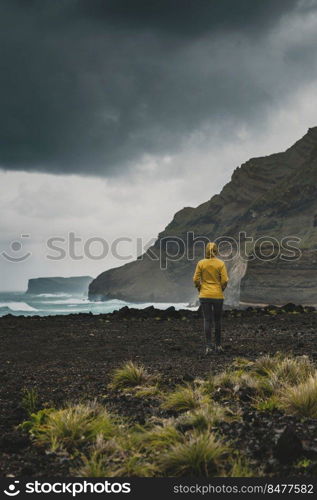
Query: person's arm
column 224, row 277
column 197, row 277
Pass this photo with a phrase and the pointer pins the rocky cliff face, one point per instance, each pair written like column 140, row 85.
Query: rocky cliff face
column 288, row 210
column 269, row 199
column 74, row 285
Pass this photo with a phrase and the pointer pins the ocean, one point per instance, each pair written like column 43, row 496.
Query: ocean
column 20, row 304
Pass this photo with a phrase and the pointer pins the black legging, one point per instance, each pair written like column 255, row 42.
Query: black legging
column 212, row 309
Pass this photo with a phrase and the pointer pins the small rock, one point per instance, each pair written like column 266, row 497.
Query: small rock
column 289, row 307
column 289, row 447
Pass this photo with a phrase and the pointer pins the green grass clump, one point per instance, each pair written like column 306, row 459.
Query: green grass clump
column 159, row 437
column 71, row 427
column 130, row 375
column 135, row 453
column 267, row 386
column 267, row 404
column 206, row 386
column 115, row 458
column 205, row 418
column 30, row 400
column 266, row 376
column 92, row 466
column 227, row 379
column 241, row 467
column 101, row 453
column 266, row 364
column 292, row 371
column 184, row 399
column 36, row 420
column 287, row 370
column 301, row 399
column 149, row 391
column 202, row 454
column 240, row 363
column 275, row 373
column 235, row 380
column 134, row 466
column 303, row 463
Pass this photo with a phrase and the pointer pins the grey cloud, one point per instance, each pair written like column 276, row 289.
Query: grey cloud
column 187, row 18
column 91, row 86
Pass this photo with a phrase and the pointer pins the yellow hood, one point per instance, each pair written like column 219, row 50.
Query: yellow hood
column 211, row 250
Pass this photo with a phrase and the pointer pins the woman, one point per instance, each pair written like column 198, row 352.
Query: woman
column 211, row 279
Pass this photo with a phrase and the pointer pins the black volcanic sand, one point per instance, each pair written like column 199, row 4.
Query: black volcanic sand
column 70, row 358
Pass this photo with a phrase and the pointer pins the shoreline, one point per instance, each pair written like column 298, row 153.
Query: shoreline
column 171, row 311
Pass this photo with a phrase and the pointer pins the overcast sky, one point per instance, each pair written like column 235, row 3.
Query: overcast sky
column 115, row 114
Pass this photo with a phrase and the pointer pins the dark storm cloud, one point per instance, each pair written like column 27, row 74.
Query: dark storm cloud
column 187, row 17
column 90, row 86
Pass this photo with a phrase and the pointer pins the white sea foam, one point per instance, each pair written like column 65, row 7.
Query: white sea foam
column 74, row 301
column 17, row 306
column 51, row 304
column 53, row 295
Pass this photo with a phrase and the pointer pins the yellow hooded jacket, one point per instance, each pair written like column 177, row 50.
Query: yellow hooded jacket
column 211, row 276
